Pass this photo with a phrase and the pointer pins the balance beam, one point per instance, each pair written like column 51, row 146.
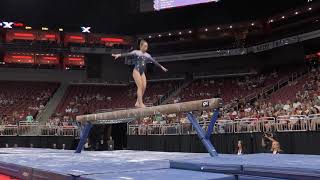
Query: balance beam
column 148, row 111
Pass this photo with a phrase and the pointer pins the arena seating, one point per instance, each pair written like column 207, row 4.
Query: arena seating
column 84, row 99
column 18, row 99
column 297, row 111
column 307, row 84
column 155, row 90
column 230, row 88
column 294, row 107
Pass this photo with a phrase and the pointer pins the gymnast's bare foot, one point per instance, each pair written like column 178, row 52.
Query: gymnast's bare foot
column 137, row 104
column 142, row 105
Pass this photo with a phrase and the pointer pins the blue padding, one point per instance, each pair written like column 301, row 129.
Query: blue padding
column 261, row 171
column 22, row 172
column 213, row 121
column 201, row 134
column 83, row 137
column 14, row 170
column 48, row 163
column 229, row 169
column 282, row 172
column 284, row 166
column 160, row 174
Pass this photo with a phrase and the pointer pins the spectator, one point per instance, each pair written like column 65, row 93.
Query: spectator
column 240, row 148
column 110, row 144
column 68, row 109
column 287, row 106
column 275, row 145
column 279, row 106
column 41, row 107
column 29, row 118
column 74, row 110
column 87, row 145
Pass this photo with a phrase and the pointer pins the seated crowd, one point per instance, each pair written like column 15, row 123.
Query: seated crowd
column 86, row 99
column 22, row 101
column 300, row 97
column 229, row 89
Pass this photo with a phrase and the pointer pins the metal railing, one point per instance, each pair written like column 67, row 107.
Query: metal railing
column 28, row 128
column 244, row 125
column 293, row 123
column 9, row 130
column 59, row 131
column 24, row 128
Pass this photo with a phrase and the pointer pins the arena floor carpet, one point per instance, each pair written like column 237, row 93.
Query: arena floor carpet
column 24, row 163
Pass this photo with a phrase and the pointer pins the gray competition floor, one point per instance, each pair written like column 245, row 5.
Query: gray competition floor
column 143, row 165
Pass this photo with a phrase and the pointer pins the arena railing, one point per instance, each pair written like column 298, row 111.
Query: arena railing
column 267, row 124
column 28, row 128
column 35, row 129
column 49, row 130
column 224, row 126
column 9, row 130
column 59, row 131
column 314, row 122
column 292, row 123
column 245, row 125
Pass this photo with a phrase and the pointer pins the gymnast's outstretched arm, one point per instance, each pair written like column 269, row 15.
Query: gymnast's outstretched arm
column 132, row 53
column 157, row 64
column 270, row 138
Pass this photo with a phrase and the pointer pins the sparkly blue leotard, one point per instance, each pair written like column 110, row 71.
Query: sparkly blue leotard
column 141, row 60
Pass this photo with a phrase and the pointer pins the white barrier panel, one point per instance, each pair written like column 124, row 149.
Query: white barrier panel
column 314, row 122
column 292, row 123
column 247, row 125
column 267, row 124
column 224, row 126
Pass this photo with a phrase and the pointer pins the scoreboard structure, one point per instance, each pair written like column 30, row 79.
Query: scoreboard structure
column 157, row 5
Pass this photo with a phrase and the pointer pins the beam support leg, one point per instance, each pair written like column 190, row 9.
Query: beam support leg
column 213, row 121
column 83, row 138
column 202, row 135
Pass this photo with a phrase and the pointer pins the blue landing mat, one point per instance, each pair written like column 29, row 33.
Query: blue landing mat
column 130, row 165
column 281, row 166
column 160, row 174
column 147, row 165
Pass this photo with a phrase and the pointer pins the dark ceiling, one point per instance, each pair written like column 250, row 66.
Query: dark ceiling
column 122, row 16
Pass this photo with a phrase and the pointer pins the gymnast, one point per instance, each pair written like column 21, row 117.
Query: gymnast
column 141, row 58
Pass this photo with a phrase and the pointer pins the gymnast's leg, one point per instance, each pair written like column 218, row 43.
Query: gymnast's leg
column 144, row 83
column 138, row 80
